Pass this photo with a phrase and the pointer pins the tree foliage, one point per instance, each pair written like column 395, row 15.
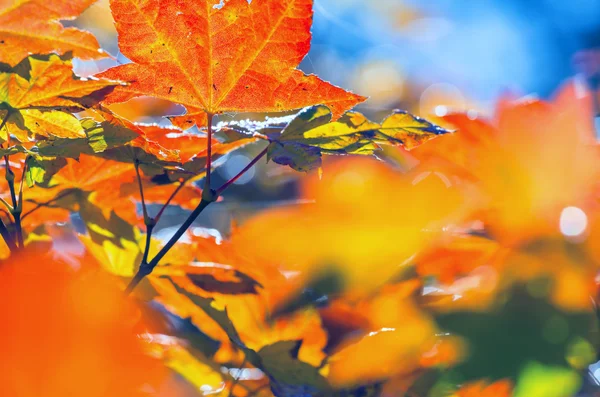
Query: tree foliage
column 467, row 270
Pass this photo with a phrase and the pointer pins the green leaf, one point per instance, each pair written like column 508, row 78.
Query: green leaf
column 38, row 95
column 100, row 228
column 40, row 169
column 99, row 137
column 311, row 134
column 280, row 361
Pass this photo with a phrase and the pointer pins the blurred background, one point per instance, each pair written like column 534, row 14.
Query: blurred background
column 428, row 57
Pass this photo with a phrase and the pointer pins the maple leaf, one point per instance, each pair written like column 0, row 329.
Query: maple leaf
column 240, row 57
column 35, row 94
column 311, row 134
column 399, row 333
column 32, row 26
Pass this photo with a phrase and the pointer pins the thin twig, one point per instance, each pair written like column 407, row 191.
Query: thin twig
column 242, row 172
column 208, row 196
column 139, row 179
column 164, row 207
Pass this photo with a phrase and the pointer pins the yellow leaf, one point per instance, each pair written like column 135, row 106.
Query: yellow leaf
column 55, row 123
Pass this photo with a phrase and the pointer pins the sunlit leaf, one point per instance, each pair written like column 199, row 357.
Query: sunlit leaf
column 189, row 47
column 311, row 134
column 33, row 92
column 29, row 27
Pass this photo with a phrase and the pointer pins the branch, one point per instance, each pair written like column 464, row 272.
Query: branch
column 18, row 210
column 149, row 229
column 164, row 207
column 242, row 172
column 139, row 179
column 208, row 196
column 146, row 269
column 7, row 237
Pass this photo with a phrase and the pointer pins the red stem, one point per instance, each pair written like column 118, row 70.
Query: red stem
column 157, row 217
column 208, row 152
column 242, row 172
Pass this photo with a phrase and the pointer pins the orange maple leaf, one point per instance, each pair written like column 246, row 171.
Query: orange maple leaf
column 240, row 57
column 32, row 27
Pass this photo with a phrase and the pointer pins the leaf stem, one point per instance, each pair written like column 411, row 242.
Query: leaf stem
column 242, row 172
column 146, row 269
column 139, row 179
column 208, row 153
column 171, row 197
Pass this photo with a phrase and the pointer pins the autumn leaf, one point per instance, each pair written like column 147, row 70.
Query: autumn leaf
column 211, row 278
column 360, row 206
column 29, row 27
column 311, row 134
column 399, row 334
column 191, row 149
column 509, row 163
column 121, row 260
column 268, row 348
column 196, row 370
column 99, row 136
column 240, row 57
column 35, row 94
